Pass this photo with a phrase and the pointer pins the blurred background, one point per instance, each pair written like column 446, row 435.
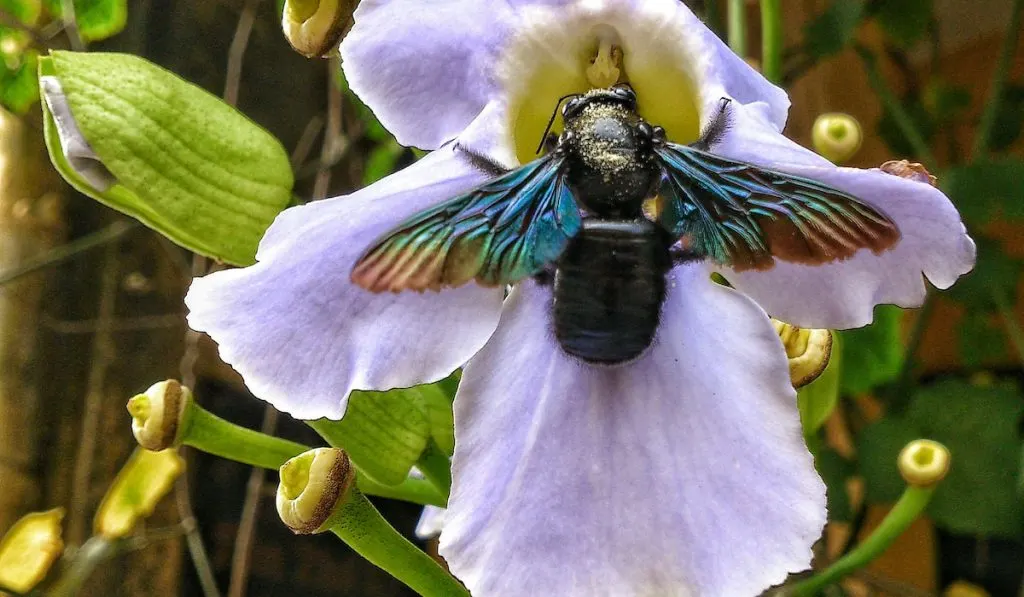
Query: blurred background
column 91, row 308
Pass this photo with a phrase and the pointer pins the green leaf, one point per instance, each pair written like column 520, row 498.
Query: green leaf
column 834, row 471
column 872, row 355
column 438, row 403
column 26, row 11
column 891, row 133
column 818, row 399
column 986, row 190
column 831, row 31
column 1009, row 119
column 982, row 341
column 994, row 270
column 383, row 432
column 905, row 21
column 188, row 165
column 979, row 426
column 96, row 19
column 381, row 161
column 18, row 88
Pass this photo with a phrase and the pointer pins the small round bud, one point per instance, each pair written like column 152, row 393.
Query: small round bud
column 313, row 486
column 158, row 416
column 836, row 136
column 911, row 170
column 808, row 351
column 924, row 462
column 316, row 27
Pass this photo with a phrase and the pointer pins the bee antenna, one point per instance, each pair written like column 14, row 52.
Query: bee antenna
column 551, row 121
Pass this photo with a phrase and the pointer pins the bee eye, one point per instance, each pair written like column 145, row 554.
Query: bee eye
column 625, row 92
column 572, row 106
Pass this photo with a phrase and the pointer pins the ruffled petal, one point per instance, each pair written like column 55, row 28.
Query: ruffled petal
column 933, row 244
column 425, row 68
column 683, row 473
column 303, row 336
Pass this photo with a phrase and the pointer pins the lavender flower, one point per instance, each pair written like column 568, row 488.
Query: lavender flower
column 683, row 472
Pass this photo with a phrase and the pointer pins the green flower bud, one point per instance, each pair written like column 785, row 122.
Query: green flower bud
column 29, row 549
column 923, row 463
column 836, row 136
column 158, row 416
column 808, row 351
column 316, row 27
column 139, row 486
column 314, row 485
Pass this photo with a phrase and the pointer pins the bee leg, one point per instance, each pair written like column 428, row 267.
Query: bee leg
column 550, row 142
column 681, row 256
column 482, row 162
column 545, row 277
column 715, row 129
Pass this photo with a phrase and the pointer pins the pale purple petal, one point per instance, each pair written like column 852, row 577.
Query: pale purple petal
column 303, row 336
column 683, row 473
column 431, row 522
column 934, row 243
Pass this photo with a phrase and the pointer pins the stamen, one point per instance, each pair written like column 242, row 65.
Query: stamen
column 604, row 69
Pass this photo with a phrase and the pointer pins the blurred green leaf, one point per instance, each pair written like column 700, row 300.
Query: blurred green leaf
column 96, row 19
column 26, row 11
column 944, row 101
column 187, row 164
column 979, row 424
column 18, row 87
column 1007, row 127
column 818, row 399
column 904, row 21
column 831, row 31
column 986, row 190
column 834, row 471
column 891, row 133
column 382, row 161
column 995, row 269
column 872, row 355
column 981, row 339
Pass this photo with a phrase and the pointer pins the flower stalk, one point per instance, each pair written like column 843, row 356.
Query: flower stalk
column 166, row 416
column 318, row 494
column 923, row 464
column 771, row 40
column 738, row 27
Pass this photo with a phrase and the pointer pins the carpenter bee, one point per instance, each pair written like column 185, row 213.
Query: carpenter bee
column 575, row 217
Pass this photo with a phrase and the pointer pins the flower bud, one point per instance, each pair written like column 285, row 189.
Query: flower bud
column 313, row 487
column 316, row 27
column 836, row 136
column 923, row 462
column 139, row 486
column 911, row 170
column 808, row 351
column 29, row 549
column 159, row 416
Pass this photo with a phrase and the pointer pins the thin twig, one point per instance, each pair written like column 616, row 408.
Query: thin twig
column 64, row 252
column 242, row 556
column 899, row 399
column 335, row 142
column 103, row 353
column 127, row 324
column 194, row 539
column 236, row 55
column 306, row 140
column 67, row 9
column 1013, row 328
column 988, row 117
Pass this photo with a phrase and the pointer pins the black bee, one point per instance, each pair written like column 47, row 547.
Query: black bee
column 576, row 216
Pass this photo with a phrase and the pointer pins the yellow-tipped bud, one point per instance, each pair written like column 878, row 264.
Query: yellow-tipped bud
column 139, row 486
column 911, row 170
column 29, row 549
column 924, row 462
column 158, row 416
column 316, row 27
column 837, row 136
column 313, row 486
column 808, row 351
column 962, row 588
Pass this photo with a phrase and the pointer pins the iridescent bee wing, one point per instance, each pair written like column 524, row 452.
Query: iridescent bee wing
column 745, row 217
column 501, row 232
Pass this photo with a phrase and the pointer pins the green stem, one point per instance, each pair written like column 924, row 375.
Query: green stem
column 895, row 107
column 991, row 111
column 713, row 16
column 907, row 509
column 90, row 555
column 899, row 399
column 1010, row 320
column 362, row 527
column 209, row 433
column 738, row 27
column 436, row 467
column 771, row 40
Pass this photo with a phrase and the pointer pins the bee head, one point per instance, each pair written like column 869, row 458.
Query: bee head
column 621, row 94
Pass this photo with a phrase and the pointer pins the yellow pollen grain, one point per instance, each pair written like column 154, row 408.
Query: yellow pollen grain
column 604, row 70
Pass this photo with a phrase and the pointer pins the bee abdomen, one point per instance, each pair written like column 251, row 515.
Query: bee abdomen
column 609, row 287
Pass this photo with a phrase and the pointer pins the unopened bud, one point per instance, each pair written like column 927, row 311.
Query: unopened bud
column 316, row 27
column 314, row 485
column 29, row 549
column 911, row 170
column 139, row 486
column 836, row 136
column 808, row 351
column 924, row 462
column 159, row 415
